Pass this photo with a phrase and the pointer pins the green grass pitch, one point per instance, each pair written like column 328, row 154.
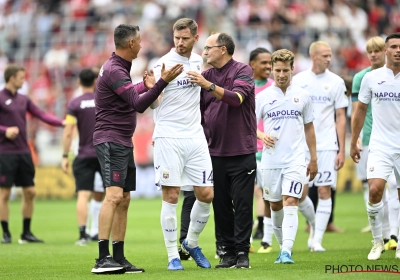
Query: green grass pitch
column 58, row 258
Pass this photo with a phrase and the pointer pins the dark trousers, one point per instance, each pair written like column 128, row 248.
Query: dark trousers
column 188, row 200
column 313, row 194
column 233, row 201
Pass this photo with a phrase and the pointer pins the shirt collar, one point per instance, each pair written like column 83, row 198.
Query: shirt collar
column 178, row 56
column 226, row 66
column 127, row 64
column 9, row 93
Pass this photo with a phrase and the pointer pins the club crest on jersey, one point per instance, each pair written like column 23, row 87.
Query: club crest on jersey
column 326, row 87
column 198, row 67
column 227, row 81
column 371, row 169
column 266, row 191
column 296, row 100
column 165, row 175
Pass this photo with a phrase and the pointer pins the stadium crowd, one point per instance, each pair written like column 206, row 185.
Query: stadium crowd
column 54, row 40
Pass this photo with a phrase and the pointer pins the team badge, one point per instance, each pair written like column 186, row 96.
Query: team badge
column 296, row 100
column 371, row 169
column 198, row 67
column 165, row 175
column 266, row 191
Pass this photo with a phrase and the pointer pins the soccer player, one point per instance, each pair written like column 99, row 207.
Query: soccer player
column 380, row 88
column 260, row 62
column 328, row 94
column 288, row 109
column 181, row 156
column 229, row 122
column 376, row 54
column 16, row 166
column 81, row 114
column 116, row 102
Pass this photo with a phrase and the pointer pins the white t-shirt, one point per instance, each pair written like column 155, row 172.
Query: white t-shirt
column 178, row 115
column 290, row 112
column 382, row 89
column 328, row 93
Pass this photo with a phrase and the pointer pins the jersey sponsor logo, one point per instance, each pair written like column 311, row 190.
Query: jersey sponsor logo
column 272, row 102
column 320, row 99
column 296, row 100
column 101, row 71
column 159, row 65
column 381, row 82
column 387, row 96
column 185, row 83
column 87, row 104
column 8, row 101
column 228, row 82
column 284, row 114
column 251, row 171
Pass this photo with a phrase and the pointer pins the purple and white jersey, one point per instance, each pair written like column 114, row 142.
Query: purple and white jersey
column 82, row 108
column 117, row 100
column 382, row 89
column 13, row 109
column 230, row 131
column 289, row 113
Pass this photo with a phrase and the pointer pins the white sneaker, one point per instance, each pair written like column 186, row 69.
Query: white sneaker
column 310, row 243
column 397, row 254
column 366, row 229
column 377, row 249
column 317, row 248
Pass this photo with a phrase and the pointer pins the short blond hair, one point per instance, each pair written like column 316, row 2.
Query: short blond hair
column 375, row 44
column 283, row 55
column 314, row 47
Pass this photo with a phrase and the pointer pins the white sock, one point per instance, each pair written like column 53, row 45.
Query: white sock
column 198, row 220
column 385, row 221
column 306, row 207
column 289, row 228
column 324, row 210
column 89, row 216
column 268, row 232
column 366, row 192
column 95, row 211
column 375, row 217
column 277, row 219
column 169, row 228
column 393, row 205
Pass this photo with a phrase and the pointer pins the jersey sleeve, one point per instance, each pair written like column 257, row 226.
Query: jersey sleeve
column 355, row 88
column 244, row 82
column 259, row 106
column 341, row 99
column 364, row 95
column 308, row 111
column 71, row 110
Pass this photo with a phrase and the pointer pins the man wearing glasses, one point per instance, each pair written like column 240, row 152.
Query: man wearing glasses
column 229, row 122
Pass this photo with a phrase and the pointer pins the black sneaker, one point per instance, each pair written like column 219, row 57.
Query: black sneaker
column 242, row 260
column 394, row 237
column 130, row 268
column 29, row 238
column 6, row 238
column 220, row 252
column 184, row 256
column 227, row 261
column 259, row 234
column 108, row 265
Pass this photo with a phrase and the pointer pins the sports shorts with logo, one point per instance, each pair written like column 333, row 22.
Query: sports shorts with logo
column 361, row 166
column 84, row 172
column 381, row 164
column 16, row 169
column 182, row 162
column 117, row 165
column 327, row 174
column 283, row 181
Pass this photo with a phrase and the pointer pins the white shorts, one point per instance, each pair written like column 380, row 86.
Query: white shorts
column 327, row 174
column 381, row 165
column 361, row 166
column 283, row 181
column 182, row 162
column 259, row 174
column 98, row 183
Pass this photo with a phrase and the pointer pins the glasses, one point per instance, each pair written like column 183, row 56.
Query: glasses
column 206, row 48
